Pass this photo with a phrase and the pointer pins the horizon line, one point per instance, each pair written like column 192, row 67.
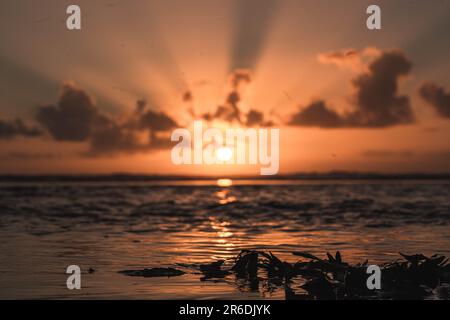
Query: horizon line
column 356, row 175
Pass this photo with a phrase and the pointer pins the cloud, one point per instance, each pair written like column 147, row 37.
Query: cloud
column 349, row 58
column 15, row 128
column 256, row 118
column 136, row 133
column 187, row 97
column 110, row 137
column 375, row 99
column 230, row 111
column 152, row 120
column 76, row 118
column 437, row 97
column 317, row 113
column 72, row 118
column 344, row 58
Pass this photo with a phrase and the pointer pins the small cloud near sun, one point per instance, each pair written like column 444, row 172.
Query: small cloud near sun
column 230, row 111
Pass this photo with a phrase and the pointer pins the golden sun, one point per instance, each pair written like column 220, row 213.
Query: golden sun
column 224, row 154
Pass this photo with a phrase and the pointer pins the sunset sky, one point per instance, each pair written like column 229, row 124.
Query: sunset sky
column 105, row 99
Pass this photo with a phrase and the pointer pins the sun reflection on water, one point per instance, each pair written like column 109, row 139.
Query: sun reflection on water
column 222, row 238
column 224, row 197
column 224, row 183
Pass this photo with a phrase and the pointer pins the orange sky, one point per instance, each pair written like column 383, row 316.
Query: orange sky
column 159, row 50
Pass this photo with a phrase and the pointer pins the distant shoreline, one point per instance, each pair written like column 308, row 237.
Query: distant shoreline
column 296, row 176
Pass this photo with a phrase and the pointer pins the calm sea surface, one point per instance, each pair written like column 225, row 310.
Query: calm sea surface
column 112, row 226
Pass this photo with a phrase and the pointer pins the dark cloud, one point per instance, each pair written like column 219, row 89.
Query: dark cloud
column 239, row 77
column 15, row 128
column 342, row 58
column 110, row 137
column 230, row 110
column 187, row 96
column 73, row 118
column 317, row 114
column 76, row 118
column 136, row 133
column 338, row 56
column 256, row 118
column 376, row 100
column 437, row 97
column 156, row 121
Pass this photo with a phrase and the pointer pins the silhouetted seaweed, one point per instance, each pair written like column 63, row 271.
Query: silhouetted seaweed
column 213, row 270
column 246, row 264
column 153, row 272
column 412, row 277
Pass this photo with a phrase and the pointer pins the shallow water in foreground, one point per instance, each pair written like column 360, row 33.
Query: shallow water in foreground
column 112, row 226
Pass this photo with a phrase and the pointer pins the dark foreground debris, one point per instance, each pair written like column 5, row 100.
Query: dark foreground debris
column 213, row 270
column 153, row 272
column 412, row 277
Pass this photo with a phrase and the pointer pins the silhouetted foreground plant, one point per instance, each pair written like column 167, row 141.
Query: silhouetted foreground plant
column 153, row 272
column 413, row 277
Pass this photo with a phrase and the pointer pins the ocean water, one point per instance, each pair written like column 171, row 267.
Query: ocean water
column 112, row 226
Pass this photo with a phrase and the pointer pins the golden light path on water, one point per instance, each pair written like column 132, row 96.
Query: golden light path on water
column 221, row 227
column 224, row 183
